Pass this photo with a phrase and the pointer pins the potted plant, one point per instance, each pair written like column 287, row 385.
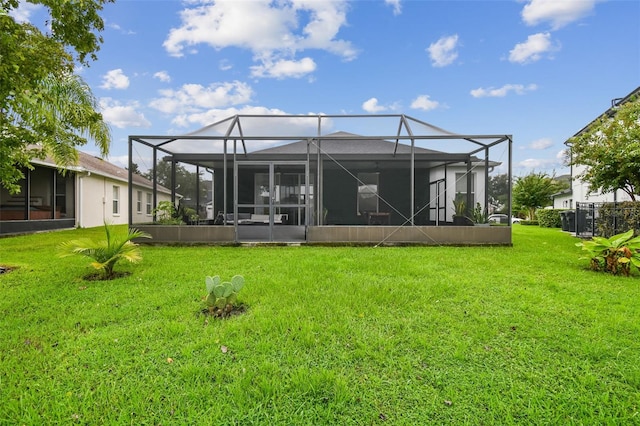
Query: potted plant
column 459, row 212
column 480, row 216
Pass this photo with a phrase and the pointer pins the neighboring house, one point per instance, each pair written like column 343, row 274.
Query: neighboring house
column 579, row 192
column 86, row 195
column 281, row 178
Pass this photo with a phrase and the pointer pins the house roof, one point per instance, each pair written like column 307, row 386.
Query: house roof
column 101, row 167
column 615, row 103
column 345, row 146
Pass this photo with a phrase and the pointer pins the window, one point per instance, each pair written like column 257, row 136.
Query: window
column 367, row 193
column 149, row 201
column 139, row 202
column 116, row 200
column 461, row 185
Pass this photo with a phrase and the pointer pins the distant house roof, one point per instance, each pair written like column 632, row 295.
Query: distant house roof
column 101, row 167
column 346, row 146
column 349, row 146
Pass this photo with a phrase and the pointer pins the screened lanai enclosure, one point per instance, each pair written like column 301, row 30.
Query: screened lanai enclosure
column 354, row 179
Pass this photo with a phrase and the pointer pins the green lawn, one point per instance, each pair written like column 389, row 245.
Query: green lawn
column 403, row 335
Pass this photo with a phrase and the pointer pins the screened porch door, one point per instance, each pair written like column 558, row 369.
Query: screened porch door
column 271, row 202
column 437, row 203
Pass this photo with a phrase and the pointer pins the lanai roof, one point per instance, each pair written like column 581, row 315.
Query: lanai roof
column 254, row 133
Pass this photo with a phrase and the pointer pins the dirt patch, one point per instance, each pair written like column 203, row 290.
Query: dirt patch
column 227, row 312
column 4, row 269
column 98, row 276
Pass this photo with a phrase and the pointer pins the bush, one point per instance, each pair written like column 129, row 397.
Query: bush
column 549, row 218
column 618, row 217
column 615, row 254
column 529, row 222
column 108, row 252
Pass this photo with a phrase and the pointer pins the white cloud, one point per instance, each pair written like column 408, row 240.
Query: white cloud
column 372, row 106
column 162, row 76
column 273, row 31
column 117, row 27
column 542, row 143
column 397, row 7
column 543, row 164
column 503, row 91
column 557, row 12
column 115, row 79
column 539, row 163
column 122, row 116
column 424, row 103
column 225, row 65
column 22, row 14
column 195, row 97
column 255, row 126
column 532, row 49
column 284, row 68
column 443, row 52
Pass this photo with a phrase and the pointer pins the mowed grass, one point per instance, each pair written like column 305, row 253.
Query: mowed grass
column 332, row 335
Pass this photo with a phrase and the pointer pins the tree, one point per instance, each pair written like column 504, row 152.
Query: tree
column 185, row 184
column 44, row 108
column 610, row 150
column 534, row 191
column 499, row 191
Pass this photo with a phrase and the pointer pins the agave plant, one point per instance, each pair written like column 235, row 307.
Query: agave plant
column 615, row 254
column 106, row 253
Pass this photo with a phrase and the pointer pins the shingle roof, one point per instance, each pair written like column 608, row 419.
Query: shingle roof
column 99, row 166
column 339, row 143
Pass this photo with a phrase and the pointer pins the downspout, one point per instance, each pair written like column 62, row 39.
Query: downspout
column 80, row 175
column 79, row 179
column 130, row 185
column 104, row 199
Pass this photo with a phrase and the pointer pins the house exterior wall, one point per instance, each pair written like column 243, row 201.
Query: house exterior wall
column 96, row 201
column 451, row 180
column 581, row 191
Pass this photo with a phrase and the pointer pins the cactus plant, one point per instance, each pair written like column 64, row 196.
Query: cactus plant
column 222, row 296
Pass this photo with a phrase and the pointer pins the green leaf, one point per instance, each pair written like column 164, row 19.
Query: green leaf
column 219, row 290
column 211, row 283
column 211, row 300
column 228, row 289
column 619, row 239
column 237, row 282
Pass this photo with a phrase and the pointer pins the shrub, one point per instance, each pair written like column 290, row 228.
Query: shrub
column 549, row 218
column 222, row 296
column 106, row 253
column 166, row 214
column 615, row 254
column 618, row 217
column 530, row 222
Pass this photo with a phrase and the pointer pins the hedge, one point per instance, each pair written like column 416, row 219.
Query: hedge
column 615, row 218
column 549, row 218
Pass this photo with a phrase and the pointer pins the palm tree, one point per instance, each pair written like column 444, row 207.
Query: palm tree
column 60, row 115
column 69, row 116
column 106, row 253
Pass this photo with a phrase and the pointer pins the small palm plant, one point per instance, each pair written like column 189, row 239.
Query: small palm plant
column 106, row 253
column 615, row 254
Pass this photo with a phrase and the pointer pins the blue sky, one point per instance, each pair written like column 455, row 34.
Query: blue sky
column 537, row 69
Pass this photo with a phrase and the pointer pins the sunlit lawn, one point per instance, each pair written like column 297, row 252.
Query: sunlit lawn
column 404, row 335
